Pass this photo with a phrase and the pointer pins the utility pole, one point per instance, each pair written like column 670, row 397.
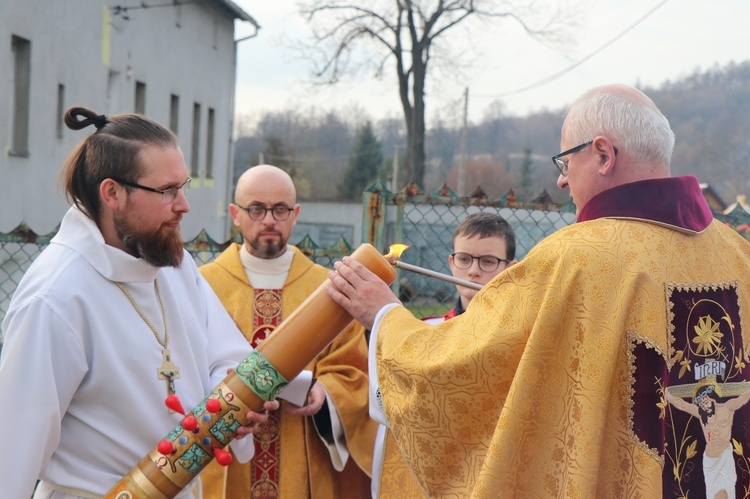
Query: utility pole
column 395, row 168
column 464, row 147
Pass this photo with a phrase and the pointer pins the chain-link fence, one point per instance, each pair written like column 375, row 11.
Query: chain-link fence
column 17, row 250
column 20, row 247
column 424, row 222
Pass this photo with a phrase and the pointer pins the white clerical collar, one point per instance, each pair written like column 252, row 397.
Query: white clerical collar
column 270, row 273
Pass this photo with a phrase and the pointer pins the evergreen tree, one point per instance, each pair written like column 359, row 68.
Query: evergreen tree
column 364, row 162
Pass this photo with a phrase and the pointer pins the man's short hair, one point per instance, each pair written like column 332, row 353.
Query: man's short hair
column 628, row 118
column 486, row 224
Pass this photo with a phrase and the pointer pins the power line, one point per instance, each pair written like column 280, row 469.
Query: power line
column 581, row 61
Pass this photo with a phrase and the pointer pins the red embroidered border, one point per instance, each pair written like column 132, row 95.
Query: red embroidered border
column 265, row 467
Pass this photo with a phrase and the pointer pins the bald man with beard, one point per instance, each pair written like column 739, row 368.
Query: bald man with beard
column 322, row 449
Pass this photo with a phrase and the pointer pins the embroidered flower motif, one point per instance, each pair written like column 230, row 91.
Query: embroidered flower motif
column 707, row 335
column 685, row 363
column 691, row 451
column 685, row 366
column 739, row 362
column 264, row 378
column 737, row 447
column 662, row 405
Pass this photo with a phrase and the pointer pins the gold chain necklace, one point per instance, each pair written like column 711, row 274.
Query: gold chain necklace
column 168, row 371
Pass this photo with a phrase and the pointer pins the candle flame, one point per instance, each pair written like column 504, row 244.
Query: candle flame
column 395, row 251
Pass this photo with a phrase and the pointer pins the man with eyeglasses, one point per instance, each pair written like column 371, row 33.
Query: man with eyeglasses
column 109, row 320
column 559, row 380
column 321, row 446
column 484, row 245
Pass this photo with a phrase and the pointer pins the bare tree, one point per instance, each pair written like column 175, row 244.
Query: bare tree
column 408, row 32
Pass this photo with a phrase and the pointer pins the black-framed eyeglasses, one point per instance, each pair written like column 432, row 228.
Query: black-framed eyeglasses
column 561, row 165
column 167, row 195
column 256, row 212
column 487, row 263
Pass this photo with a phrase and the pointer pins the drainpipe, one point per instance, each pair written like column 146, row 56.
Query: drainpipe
column 228, row 195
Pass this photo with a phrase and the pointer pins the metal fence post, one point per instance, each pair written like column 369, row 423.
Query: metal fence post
column 374, row 201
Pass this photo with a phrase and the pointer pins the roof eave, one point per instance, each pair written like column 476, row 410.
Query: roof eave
column 238, row 13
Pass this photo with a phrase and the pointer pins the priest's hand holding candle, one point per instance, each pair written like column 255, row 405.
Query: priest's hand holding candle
column 363, row 295
column 359, row 291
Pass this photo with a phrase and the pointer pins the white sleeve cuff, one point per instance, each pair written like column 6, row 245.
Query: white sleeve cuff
column 297, row 390
column 337, row 449
column 376, row 405
column 243, row 449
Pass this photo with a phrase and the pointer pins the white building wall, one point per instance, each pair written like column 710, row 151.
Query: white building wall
column 185, row 50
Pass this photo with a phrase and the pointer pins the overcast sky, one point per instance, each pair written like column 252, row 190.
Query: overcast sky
column 677, row 38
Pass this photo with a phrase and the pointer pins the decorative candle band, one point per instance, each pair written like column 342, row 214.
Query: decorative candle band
column 260, row 376
column 187, row 449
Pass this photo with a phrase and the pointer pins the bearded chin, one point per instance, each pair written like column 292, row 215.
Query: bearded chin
column 270, row 249
column 160, row 248
column 705, row 414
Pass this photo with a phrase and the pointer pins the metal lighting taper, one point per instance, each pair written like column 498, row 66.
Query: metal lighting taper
column 436, row 275
column 397, row 250
column 259, row 377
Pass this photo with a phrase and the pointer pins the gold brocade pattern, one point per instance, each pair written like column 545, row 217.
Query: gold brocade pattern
column 396, row 481
column 530, row 392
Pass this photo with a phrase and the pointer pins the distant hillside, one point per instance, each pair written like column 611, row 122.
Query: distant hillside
column 710, row 115
column 709, row 112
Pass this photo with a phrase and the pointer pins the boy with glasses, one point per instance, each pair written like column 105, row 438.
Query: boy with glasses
column 484, row 245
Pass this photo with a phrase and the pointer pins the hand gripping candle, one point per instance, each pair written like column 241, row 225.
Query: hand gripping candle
column 188, row 448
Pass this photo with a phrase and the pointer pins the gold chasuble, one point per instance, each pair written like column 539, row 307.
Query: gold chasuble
column 612, row 362
column 397, row 481
column 290, row 459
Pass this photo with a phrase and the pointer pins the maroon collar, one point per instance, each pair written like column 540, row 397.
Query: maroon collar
column 675, row 201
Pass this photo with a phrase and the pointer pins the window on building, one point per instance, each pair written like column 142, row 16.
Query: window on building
column 217, row 29
column 113, row 92
column 210, row 144
column 195, row 145
column 60, row 110
column 140, row 97
column 174, row 112
column 21, row 49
